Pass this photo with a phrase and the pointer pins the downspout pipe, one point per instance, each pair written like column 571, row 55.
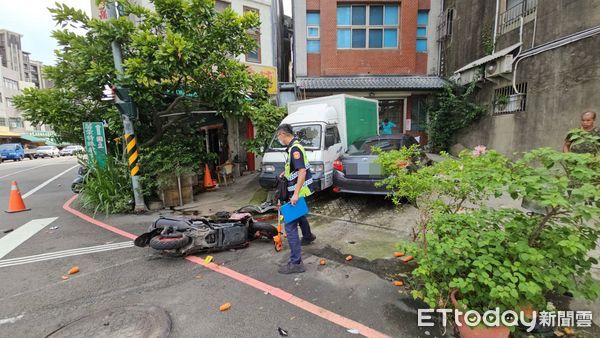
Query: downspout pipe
column 495, row 26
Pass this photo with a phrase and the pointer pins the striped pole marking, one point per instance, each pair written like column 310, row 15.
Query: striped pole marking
column 132, row 154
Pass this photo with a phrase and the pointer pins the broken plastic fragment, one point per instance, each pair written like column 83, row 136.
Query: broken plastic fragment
column 282, row 332
column 398, row 283
column 73, row 270
column 208, row 259
column 348, row 258
column 353, row 331
column 398, row 254
column 225, row 307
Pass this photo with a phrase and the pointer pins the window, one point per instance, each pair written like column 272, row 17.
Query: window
column 507, row 101
column 15, row 122
column 3, row 121
column 422, row 20
column 367, row 26
column 12, row 84
column 313, row 32
column 255, row 55
column 332, row 135
column 9, row 102
column 220, row 6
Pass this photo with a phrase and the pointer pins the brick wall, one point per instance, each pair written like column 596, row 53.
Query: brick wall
column 401, row 61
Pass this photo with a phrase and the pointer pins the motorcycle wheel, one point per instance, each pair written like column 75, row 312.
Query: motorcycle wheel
column 169, row 243
column 265, row 229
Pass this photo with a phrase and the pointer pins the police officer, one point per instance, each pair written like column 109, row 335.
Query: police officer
column 299, row 181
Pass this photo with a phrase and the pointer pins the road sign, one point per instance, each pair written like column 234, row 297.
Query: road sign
column 95, row 141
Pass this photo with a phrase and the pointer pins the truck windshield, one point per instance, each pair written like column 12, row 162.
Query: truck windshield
column 309, row 136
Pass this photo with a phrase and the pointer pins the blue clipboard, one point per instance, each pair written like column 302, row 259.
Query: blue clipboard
column 291, row 213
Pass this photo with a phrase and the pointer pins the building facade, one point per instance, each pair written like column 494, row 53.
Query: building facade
column 536, row 64
column 384, row 50
column 17, row 72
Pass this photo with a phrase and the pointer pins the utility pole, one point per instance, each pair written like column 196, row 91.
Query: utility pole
column 126, row 108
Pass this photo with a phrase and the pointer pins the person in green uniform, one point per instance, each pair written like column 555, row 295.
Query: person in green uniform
column 588, row 125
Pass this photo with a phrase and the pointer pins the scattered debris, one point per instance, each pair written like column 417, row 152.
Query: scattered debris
column 73, row 270
column 282, row 332
column 199, row 277
column 353, row 331
column 297, row 279
column 322, row 262
column 348, row 258
column 398, row 254
column 225, row 307
column 292, row 318
column 351, row 242
column 65, row 277
column 559, row 333
column 569, row 331
column 427, row 333
column 8, row 230
column 208, row 259
column 266, row 292
column 398, row 283
column 407, row 259
column 53, row 228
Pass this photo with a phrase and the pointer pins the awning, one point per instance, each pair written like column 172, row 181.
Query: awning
column 33, row 139
column 488, row 58
column 9, row 134
column 409, row 82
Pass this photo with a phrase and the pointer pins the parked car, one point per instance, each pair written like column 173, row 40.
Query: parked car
column 12, row 151
column 47, row 151
column 30, row 151
column 357, row 171
column 71, row 150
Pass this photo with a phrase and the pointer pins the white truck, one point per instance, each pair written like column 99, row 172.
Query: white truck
column 325, row 126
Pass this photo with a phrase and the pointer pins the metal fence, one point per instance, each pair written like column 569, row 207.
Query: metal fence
column 510, row 19
column 507, row 101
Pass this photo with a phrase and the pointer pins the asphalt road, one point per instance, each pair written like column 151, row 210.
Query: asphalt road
column 114, row 276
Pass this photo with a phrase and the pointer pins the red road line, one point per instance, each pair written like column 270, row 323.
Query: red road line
column 264, row 287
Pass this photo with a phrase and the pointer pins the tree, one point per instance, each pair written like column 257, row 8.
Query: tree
column 177, row 59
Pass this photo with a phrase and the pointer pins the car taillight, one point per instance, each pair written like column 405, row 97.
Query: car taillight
column 338, row 165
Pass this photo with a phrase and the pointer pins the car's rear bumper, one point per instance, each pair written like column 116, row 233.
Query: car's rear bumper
column 356, row 186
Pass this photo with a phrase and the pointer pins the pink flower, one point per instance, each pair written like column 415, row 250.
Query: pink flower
column 479, row 150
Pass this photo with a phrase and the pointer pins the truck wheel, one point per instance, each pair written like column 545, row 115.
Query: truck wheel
column 169, row 243
column 264, row 229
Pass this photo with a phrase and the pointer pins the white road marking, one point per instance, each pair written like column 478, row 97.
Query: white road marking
column 66, row 253
column 20, row 171
column 34, row 190
column 9, row 242
column 11, row 320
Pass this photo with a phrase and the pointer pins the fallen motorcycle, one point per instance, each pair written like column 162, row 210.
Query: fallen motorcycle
column 181, row 237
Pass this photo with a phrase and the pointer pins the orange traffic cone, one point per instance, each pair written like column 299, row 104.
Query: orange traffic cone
column 208, row 181
column 15, row 202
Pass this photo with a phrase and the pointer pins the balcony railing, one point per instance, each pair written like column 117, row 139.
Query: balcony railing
column 511, row 18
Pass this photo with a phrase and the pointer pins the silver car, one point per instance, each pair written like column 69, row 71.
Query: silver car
column 357, row 171
column 47, row 151
column 71, row 150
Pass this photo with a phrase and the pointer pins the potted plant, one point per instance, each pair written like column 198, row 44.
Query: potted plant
column 477, row 258
column 169, row 167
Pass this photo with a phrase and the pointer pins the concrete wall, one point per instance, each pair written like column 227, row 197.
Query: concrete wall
column 472, row 20
column 299, row 45
column 561, row 83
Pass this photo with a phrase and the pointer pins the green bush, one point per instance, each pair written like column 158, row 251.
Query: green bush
column 503, row 257
column 107, row 189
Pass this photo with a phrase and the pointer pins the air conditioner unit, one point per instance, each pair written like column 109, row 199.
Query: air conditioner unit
column 468, row 76
column 499, row 66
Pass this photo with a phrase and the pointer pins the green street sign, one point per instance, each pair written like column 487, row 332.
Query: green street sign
column 95, row 141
